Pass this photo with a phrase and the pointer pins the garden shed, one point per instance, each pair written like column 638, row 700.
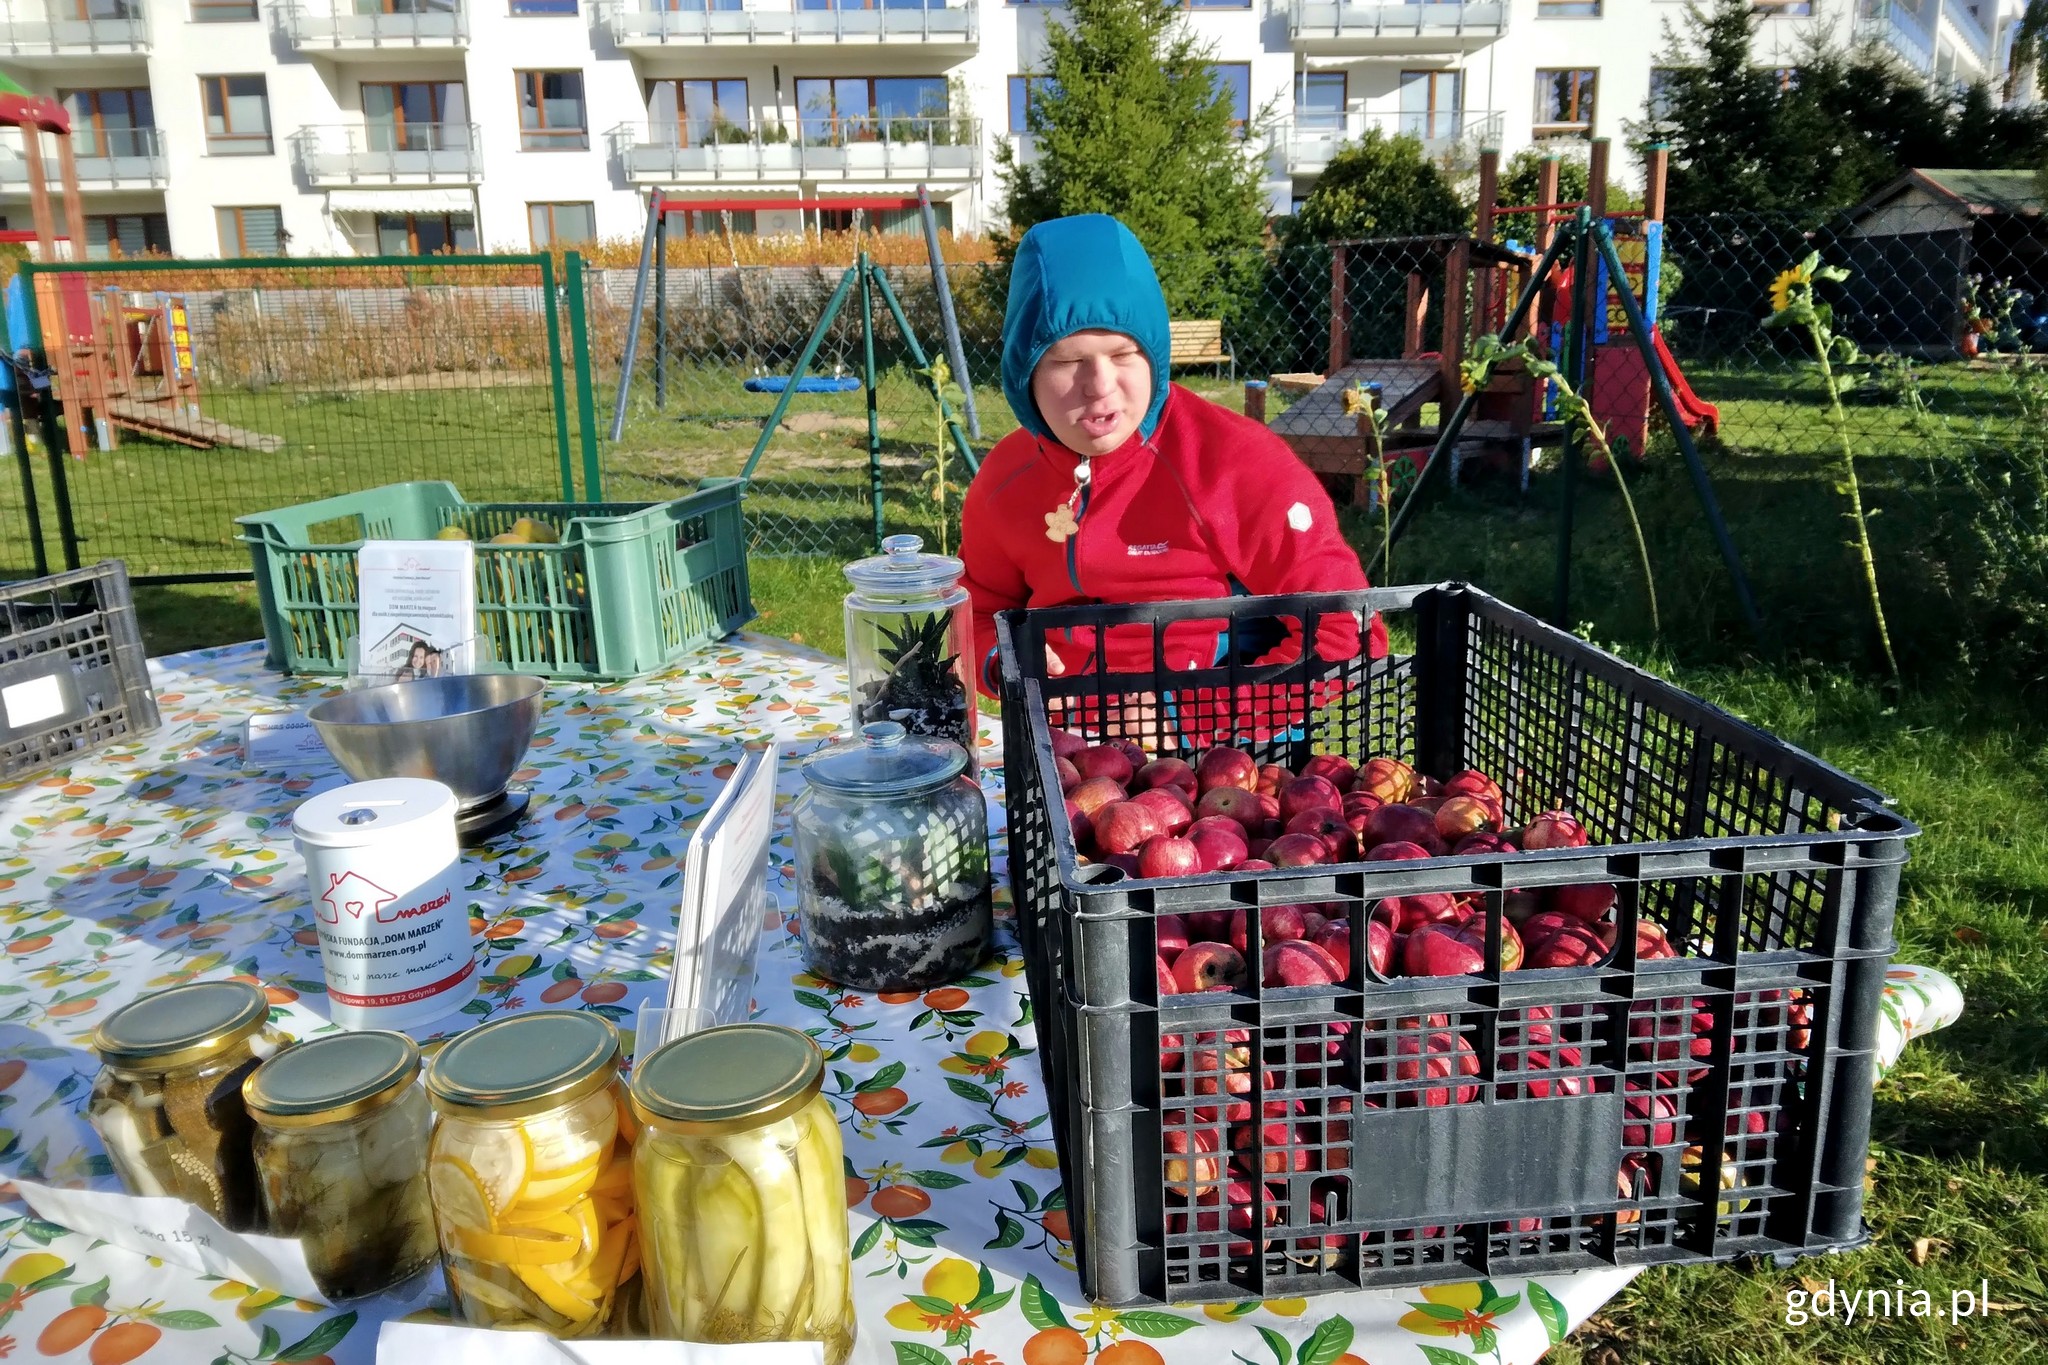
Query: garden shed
column 1915, row 244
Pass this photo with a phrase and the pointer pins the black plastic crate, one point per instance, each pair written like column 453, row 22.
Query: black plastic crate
column 73, row 671
column 1700, row 1108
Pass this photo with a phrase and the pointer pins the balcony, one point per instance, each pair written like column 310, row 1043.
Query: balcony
column 1308, row 141
column 431, row 28
column 32, row 35
column 1345, row 28
column 900, row 151
column 725, row 23
column 109, row 159
column 1901, row 27
column 1976, row 41
column 382, row 154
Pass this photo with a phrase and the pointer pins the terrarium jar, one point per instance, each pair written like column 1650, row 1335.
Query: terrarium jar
column 742, row 1193
column 910, row 644
column 341, row 1147
column 892, row 862
column 168, row 1100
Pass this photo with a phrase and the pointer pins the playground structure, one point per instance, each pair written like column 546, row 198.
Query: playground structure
column 116, row 361
column 1468, row 281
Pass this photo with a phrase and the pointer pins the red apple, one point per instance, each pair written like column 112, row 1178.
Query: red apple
column 1587, row 902
column 1272, row 777
column 1170, row 933
column 1070, row 776
column 1406, row 914
column 1124, row 826
column 1472, row 782
column 1133, row 752
column 1190, row 1167
column 1403, row 824
column 1067, row 744
column 1299, row 963
column 1396, row 851
column 1166, row 772
column 1334, row 768
column 1104, row 760
column 1208, row 926
column 1538, row 928
column 1167, row 984
column 1572, row 946
column 1248, row 808
column 1328, row 826
column 1439, row 1056
column 1554, row 829
column 1650, row 1120
column 1084, row 829
column 1438, row 950
column 1461, row 816
column 1165, row 856
column 1094, row 793
column 1225, row 767
column 1297, row 850
column 1255, row 865
column 1206, row 966
column 1389, row 779
column 1277, row 924
column 1309, row 793
column 1472, row 845
column 1167, row 807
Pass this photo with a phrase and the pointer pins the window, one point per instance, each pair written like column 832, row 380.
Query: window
column 1432, row 104
column 832, row 110
column 424, row 234
column 223, row 11
column 416, row 116
column 237, row 115
column 1567, row 9
column 1564, row 102
column 700, row 5
column 111, row 122
column 1215, row 4
column 1319, row 102
column 1023, row 89
column 1787, row 78
column 126, row 234
column 1788, row 8
column 1235, row 80
column 251, row 232
column 552, row 223
column 1663, row 79
column 696, row 113
column 543, row 7
column 551, row 111
column 709, row 222
column 910, row 222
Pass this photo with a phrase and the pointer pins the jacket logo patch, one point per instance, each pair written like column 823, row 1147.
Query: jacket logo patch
column 1158, row 549
column 1299, row 517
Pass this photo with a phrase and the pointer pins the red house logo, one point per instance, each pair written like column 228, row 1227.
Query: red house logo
column 354, row 894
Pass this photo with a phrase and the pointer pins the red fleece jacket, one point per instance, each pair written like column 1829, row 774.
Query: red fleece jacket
column 1213, row 496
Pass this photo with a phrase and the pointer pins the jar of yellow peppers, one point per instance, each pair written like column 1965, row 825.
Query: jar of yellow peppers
column 531, row 1176
column 742, row 1191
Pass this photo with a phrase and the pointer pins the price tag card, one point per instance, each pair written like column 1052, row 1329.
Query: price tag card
column 408, row 1343
column 418, row 611
column 284, row 739
column 173, row 1230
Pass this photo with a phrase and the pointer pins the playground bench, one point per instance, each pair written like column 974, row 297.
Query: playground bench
column 1200, row 342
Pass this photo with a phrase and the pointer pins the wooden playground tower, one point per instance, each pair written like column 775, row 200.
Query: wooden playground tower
column 1479, row 277
column 115, row 364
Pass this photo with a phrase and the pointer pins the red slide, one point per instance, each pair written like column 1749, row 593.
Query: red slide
column 1696, row 411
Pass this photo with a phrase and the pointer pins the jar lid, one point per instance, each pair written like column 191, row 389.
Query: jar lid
column 903, row 570
column 526, row 1064
column 182, row 1024
column 325, row 1080
column 886, row 760
column 727, row 1080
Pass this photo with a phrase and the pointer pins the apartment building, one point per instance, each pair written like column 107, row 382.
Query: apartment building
column 250, row 127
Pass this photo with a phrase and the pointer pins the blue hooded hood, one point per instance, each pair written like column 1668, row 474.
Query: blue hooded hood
column 1070, row 275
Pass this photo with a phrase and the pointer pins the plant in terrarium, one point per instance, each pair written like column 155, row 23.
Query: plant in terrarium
column 922, row 688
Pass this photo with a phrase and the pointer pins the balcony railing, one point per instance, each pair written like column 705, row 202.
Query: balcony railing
column 642, row 26
column 1897, row 25
column 895, row 149
column 1969, row 26
column 1355, row 22
column 108, row 159
column 1309, row 140
column 28, row 31
column 389, row 154
column 443, row 27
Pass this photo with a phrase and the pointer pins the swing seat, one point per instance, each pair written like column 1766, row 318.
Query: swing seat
column 810, row 383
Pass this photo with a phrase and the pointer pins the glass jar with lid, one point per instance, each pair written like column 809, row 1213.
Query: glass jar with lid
column 742, row 1189
column 910, row 644
column 167, row 1103
column 341, row 1150
column 892, row 862
column 531, row 1176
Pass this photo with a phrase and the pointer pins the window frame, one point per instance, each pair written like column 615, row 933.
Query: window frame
column 399, row 122
column 682, row 117
column 1570, row 9
column 1301, row 85
column 548, row 206
column 214, row 141
column 96, row 119
column 241, row 251
column 111, row 221
column 872, row 117
column 539, row 138
column 223, row 12
column 1020, row 112
column 1585, row 101
column 514, row 9
column 1436, row 78
column 412, row 220
column 1239, row 125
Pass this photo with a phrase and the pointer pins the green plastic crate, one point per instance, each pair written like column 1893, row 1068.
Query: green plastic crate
column 631, row 586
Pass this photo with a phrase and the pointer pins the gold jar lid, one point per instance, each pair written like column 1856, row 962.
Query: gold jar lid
column 727, row 1080
column 326, row 1080
column 181, row 1025
column 526, row 1064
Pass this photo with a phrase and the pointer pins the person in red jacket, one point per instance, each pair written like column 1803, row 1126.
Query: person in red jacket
column 1121, row 486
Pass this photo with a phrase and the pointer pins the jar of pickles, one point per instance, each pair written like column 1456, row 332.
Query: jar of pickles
column 740, row 1177
column 341, row 1150
column 531, row 1176
column 892, row 862
column 909, row 640
column 168, row 1100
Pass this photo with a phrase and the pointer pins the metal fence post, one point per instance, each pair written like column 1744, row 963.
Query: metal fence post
column 579, row 346
column 53, row 436
column 1579, row 339
column 18, row 430
column 555, row 380
column 660, row 312
column 869, row 377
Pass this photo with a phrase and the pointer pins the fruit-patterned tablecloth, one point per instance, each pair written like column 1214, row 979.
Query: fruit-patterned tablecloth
column 171, row 858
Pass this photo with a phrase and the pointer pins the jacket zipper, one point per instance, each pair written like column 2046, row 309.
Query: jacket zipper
column 1082, row 473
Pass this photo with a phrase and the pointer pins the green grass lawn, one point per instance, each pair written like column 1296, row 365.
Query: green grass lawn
column 1960, row 1181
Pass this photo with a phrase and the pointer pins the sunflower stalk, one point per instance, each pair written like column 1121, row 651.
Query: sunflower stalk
column 1793, row 305
column 939, row 377
column 1488, row 354
column 1359, row 402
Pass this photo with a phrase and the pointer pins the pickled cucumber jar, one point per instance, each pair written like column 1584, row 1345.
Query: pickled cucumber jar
column 530, row 1173
column 742, row 1188
column 910, row 644
column 168, row 1100
column 341, row 1150
column 892, row 862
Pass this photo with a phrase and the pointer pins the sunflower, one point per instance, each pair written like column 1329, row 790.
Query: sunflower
column 1782, row 287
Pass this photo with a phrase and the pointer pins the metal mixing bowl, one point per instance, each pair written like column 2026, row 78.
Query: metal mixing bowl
column 468, row 732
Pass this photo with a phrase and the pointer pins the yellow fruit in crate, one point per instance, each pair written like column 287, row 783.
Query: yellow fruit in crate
column 509, row 538
column 535, row 532
column 451, row 533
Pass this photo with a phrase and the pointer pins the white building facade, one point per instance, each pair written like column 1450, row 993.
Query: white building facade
column 322, row 127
